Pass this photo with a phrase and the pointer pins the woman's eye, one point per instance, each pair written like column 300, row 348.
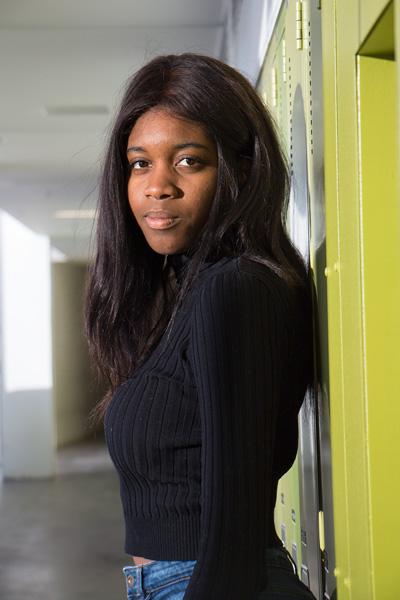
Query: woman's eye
column 189, row 161
column 139, row 164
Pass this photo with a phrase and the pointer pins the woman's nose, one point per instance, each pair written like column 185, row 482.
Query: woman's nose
column 161, row 184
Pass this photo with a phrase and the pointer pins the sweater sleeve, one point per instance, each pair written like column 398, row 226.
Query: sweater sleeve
column 238, row 348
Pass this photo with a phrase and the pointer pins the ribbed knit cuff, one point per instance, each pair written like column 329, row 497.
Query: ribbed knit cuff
column 174, row 538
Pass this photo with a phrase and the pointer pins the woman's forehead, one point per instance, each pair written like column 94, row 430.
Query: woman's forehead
column 161, row 124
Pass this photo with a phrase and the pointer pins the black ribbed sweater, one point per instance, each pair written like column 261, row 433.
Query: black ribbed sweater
column 207, row 425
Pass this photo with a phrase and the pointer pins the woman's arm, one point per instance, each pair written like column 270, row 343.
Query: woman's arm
column 238, row 349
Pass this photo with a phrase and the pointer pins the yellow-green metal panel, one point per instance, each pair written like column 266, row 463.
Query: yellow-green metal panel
column 380, row 41
column 303, row 75
column 370, row 11
column 381, row 296
column 397, row 53
column 350, row 485
column 315, row 142
column 340, row 492
column 273, row 87
column 297, row 106
column 359, row 515
column 289, row 485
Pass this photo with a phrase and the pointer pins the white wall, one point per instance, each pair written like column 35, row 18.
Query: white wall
column 28, row 432
column 248, row 26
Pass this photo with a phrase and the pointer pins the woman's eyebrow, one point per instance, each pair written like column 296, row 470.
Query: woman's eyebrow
column 191, row 145
column 177, row 147
column 135, row 149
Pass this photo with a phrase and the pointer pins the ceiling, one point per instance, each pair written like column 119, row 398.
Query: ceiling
column 62, row 69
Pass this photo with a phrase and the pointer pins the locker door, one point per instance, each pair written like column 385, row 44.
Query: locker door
column 363, row 258
column 273, row 86
column 291, row 83
column 298, row 112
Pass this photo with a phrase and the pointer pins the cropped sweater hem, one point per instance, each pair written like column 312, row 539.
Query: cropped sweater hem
column 172, row 538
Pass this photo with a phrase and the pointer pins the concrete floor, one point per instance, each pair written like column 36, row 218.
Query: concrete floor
column 63, row 539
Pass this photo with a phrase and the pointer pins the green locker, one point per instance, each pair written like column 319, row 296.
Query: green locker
column 291, row 84
column 363, row 274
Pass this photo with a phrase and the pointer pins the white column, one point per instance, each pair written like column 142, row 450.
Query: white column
column 28, row 425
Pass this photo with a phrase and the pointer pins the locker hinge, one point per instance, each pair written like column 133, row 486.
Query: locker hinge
column 284, row 74
column 303, row 24
column 299, row 25
column 274, row 86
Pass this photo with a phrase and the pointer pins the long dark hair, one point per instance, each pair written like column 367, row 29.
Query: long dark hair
column 129, row 305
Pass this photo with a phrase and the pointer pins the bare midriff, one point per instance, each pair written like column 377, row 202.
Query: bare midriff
column 137, row 560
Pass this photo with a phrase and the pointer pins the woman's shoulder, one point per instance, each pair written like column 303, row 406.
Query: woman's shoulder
column 256, row 285
column 244, row 271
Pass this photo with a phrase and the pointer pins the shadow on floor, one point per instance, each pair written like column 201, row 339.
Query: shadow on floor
column 62, row 539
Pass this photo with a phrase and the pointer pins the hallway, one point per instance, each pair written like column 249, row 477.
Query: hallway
column 62, row 539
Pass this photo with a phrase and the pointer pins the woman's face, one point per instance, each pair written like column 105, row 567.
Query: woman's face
column 173, row 178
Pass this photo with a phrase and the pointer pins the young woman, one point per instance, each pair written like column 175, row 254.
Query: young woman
column 198, row 314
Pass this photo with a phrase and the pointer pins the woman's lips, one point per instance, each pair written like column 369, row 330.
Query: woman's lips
column 160, row 219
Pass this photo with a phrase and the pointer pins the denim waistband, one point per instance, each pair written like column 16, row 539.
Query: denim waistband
column 155, row 575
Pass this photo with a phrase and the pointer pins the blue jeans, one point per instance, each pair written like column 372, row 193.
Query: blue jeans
column 158, row 580
column 168, row 580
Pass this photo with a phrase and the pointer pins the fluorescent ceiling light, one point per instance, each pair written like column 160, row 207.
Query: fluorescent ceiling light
column 75, row 214
column 74, row 111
